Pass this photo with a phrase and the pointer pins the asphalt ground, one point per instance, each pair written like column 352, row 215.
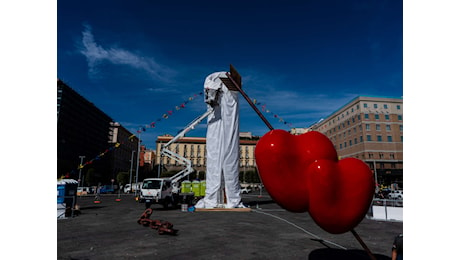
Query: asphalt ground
column 110, row 230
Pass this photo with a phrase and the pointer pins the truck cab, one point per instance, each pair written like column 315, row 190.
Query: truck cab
column 157, row 191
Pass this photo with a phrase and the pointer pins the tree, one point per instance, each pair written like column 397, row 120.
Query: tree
column 90, row 177
column 249, row 176
column 123, row 178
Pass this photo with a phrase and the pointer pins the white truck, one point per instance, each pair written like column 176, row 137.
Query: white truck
column 166, row 191
column 158, row 191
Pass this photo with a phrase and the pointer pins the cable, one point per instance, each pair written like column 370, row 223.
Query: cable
column 309, row 233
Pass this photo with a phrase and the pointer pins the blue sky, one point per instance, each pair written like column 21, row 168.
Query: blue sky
column 137, row 60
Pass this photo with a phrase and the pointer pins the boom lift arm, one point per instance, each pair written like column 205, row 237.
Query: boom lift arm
column 188, row 164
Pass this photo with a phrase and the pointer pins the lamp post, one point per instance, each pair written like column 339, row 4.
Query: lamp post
column 159, row 164
column 80, row 166
column 138, row 156
column 375, row 172
column 131, row 171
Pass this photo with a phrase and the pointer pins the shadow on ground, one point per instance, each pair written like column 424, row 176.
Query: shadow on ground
column 336, row 254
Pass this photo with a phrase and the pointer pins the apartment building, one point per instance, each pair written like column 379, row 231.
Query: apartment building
column 370, row 129
column 85, row 130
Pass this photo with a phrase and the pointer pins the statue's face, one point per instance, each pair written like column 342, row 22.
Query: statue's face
column 211, row 97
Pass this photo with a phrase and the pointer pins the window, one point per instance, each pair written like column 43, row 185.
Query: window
column 356, row 140
column 379, row 138
column 398, row 107
column 361, row 139
column 401, row 128
column 389, row 138
column 359, row 117
column 340, row 146
column 366, row 116
column 388, row 127
column 349, row 143
column 368, row 137
column 375, row 105
column 385, row 106
column 387, row 117
column 368, row 127
column 377, row 116
column 377, row 127
column 399, row 117
column 365, row 105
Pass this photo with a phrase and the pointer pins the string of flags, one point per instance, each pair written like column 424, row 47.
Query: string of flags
column 99, row 156
column 264, row 108
column 168, row 114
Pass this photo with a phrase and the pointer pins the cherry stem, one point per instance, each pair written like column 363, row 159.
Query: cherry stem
column 250, row 102
column 363, row 244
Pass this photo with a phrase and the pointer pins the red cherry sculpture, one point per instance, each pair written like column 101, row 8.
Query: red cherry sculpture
column 302, row 173
column 282, row 161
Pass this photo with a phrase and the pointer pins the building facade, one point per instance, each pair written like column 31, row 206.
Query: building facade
column 194, row 149
column 369, row 129
column 121, row 157
column 85, row 130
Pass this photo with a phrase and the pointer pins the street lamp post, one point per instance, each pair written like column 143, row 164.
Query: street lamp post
column 138, row 156
column 80, row 166
column 375, row 172
column 159, row 164
column 131, row 171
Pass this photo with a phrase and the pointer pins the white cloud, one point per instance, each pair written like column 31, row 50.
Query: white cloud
column 96, row 55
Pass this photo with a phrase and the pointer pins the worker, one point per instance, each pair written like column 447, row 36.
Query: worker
column 397, row 248
column 222, row 144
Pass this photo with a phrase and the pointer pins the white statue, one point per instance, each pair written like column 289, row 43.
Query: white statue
column 222, row 144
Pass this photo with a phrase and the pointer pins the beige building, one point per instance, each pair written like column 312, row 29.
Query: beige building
column 370, row 129
column 194, row 149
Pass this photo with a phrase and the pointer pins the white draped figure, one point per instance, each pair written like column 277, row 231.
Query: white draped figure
column 222, row 144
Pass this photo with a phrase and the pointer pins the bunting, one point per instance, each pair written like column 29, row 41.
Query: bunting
column 141, row 129
column 167, row 114
column 264, row 109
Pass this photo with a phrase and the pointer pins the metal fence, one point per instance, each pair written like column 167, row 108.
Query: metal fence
column 386, row 210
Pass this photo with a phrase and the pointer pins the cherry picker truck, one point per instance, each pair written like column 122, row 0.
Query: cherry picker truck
column 166, row 191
